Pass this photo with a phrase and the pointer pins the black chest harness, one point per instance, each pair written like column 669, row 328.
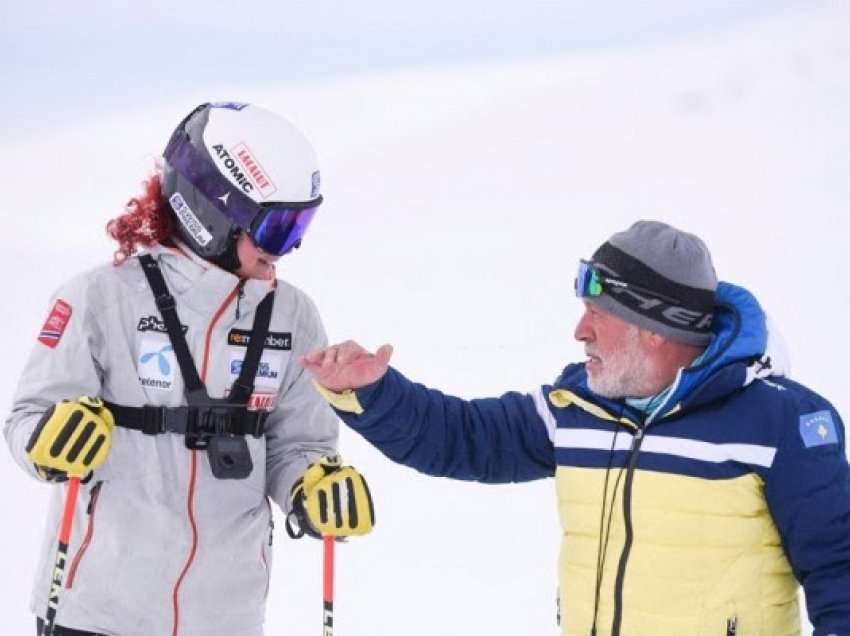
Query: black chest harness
column 217, row 425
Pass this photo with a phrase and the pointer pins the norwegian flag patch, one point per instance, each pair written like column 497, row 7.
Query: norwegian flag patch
column 54, row 326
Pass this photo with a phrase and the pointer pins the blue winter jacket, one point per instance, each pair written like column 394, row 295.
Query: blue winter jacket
column 734, row 490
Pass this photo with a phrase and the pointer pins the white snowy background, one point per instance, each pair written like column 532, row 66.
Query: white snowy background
column 471, row 153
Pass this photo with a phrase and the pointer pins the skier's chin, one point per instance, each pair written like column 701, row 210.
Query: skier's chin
column 259, row 270
column 254, row 263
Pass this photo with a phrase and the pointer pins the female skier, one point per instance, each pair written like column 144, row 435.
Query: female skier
column 168, row 383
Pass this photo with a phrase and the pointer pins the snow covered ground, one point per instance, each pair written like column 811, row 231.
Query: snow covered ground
column 457, row 204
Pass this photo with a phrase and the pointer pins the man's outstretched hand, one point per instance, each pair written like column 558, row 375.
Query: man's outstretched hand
column 347, row 365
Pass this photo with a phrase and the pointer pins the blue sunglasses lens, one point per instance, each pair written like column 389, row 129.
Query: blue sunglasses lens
column 587, row 281
column 281, row 229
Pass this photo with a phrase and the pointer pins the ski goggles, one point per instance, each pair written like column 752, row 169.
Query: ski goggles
column 590, row 282
column 279, row 227
column 275, row 228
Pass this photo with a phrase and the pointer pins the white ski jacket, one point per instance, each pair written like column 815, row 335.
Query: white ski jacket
column 159, row 545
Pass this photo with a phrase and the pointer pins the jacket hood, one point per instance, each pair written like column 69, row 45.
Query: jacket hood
column 744, row 348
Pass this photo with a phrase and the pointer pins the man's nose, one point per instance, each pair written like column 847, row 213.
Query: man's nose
column 583, row 331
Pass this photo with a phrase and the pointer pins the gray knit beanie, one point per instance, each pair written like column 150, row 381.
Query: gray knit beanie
column 673, row 264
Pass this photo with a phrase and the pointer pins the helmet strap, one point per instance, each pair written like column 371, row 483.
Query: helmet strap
column 229, row 259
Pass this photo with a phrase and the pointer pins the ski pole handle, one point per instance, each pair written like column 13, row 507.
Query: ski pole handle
column 328, row 614
column 61, row 555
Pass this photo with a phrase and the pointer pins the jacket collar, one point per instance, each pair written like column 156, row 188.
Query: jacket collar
column 203, row 286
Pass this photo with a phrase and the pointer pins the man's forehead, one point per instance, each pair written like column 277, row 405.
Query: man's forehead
column 591, row 305
column 611, row 320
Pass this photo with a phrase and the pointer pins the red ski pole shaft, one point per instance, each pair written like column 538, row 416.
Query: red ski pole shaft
column 61, row 555
column 328, row 614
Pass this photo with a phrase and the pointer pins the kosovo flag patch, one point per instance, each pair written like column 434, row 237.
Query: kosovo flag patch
column 818, row 429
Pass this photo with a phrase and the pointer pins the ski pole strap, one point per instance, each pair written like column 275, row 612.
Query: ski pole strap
column 220, row 417
column 243, row 386
column 167, row 308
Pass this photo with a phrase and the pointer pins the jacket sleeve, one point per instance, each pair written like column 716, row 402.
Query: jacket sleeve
column 808, row 491
column 302, row 427
column 493, row 440
column 59, row 368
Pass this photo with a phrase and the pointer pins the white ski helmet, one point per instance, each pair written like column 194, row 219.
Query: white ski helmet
column 232, row 168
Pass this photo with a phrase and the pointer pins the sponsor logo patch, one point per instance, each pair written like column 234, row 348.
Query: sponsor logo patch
column 268, row 371
column 818, row 429
column 54, row 326
column 154, row 323
column 316, row 185
column 191, row 222
column 229, row 164
column 156, row 364
column 262, row 402
column 276, row 340
column 259, row 401
column 230, row 105
column 254, row 170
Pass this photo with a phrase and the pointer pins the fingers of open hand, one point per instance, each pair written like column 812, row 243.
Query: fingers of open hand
column 347, row 364
column 312, row 359
column 350, row 351
column 384, row 353
column 329, row 357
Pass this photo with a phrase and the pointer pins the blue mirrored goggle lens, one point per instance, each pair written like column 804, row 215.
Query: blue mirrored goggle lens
column 281, row 229
column 587, row 281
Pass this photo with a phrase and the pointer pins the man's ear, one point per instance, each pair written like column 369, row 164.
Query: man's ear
column 652, row 340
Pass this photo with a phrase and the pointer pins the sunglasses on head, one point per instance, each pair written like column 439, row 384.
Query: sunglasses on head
column 591, row 282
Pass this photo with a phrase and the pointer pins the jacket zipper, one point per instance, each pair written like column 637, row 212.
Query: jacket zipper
column 627, row 520
column 627, row 507
column 193, row 472
column 239, row 296
column 216, row 317
column 90, row 510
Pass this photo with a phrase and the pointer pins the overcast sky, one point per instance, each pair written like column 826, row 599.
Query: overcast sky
column 66, row 60
column 743, row 140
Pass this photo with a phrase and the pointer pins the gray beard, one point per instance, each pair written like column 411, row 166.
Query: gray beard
column 627, row 376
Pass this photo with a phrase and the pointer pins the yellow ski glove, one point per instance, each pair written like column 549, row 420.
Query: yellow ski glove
column 330, row 500
column 72, row 438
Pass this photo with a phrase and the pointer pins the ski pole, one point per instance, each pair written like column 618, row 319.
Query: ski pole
column 328, row 614
column 61, row 555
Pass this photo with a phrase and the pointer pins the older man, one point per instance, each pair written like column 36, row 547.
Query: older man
column 696, row 486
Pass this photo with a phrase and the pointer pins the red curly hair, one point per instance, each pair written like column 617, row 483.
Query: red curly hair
column 146, row 220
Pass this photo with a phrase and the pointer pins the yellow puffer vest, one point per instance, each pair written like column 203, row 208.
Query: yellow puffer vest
column 705, row 557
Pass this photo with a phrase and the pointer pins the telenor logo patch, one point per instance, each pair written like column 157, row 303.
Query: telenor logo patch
column 818, row 429
column 156, row 364
column 276, row 340
column 54, row 326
